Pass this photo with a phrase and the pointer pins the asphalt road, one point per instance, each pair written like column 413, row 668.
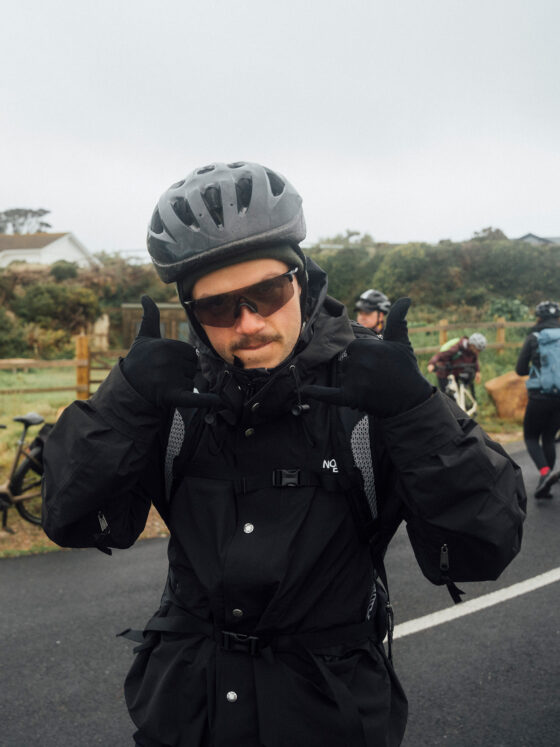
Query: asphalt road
column 489, row 678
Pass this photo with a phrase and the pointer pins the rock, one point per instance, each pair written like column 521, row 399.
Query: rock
column 509, row 394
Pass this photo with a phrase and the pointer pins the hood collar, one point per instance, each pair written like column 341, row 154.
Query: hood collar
column 326, row 332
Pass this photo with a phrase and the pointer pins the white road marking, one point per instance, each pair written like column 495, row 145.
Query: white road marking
column 474, row 605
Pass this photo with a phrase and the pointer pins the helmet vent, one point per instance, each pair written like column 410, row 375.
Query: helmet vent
column 276, row 184
column 206, row 169
column 213, row 200
column 183, row 211
column 236, row 165
column 156, row 225
column 244, row 190
column 177, row 184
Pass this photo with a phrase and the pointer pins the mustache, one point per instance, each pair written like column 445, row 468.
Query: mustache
column 250, row 340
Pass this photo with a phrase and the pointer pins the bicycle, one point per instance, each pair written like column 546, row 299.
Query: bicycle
column 22, row 489
column 458, row 387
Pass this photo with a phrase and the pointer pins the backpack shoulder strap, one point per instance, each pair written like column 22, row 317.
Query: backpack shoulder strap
column 180, row 425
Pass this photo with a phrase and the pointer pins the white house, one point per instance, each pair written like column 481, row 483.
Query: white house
column 535, row 240
column 43, row 248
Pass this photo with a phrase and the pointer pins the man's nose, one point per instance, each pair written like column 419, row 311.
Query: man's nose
column 248, row 320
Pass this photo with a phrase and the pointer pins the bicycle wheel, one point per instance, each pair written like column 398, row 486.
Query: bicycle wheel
column 25, row 486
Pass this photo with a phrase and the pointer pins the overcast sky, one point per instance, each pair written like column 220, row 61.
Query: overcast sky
column 412, row 119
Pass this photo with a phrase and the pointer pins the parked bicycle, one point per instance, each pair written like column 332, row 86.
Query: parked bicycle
column 22, row 489
column 460, row 387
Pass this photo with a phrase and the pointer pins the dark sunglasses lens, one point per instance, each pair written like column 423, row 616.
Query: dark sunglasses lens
column 265, row 298
column 215, row 311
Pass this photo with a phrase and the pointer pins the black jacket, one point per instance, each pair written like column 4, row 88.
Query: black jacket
column 260, row 638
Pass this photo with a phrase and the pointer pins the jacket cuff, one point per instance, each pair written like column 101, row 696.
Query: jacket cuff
column 121, row 407
column 420, row 431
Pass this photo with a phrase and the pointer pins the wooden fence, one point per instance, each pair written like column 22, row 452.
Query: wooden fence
column 92, row 366
column 86, row 363
column 500, row 325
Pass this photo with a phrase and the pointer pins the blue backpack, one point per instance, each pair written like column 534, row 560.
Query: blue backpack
column 546, row 378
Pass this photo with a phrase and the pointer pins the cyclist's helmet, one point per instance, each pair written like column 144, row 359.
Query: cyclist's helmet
column 547, row 310
column 372, row 300
column 219, row 213
column 478, row 341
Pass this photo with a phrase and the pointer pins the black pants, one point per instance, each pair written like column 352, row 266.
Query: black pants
column 541, row 423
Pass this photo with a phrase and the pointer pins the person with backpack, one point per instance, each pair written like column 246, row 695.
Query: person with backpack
column 372, row 307
column 540, row 359
column 460, row 355
column 282, row 475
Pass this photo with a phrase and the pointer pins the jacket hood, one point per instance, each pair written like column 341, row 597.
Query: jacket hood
column 326, row 332
column 545, row 324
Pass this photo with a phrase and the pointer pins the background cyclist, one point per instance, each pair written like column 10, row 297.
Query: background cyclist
column 372, row 307
column 542, row 416
column 457, row 359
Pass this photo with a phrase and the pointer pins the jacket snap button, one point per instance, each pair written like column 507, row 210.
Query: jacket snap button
column 237, row 613
column 231, row 696
column 248, row 528
column 255, row 407
column 249, row 432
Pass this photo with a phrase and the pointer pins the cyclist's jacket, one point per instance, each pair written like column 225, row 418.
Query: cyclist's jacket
column 270, row 627
column 529, row 356
column 455, row 359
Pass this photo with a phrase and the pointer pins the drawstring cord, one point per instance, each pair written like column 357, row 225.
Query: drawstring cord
column 301, row 408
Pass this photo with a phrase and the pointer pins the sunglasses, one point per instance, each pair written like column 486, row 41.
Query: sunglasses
column 262, row 298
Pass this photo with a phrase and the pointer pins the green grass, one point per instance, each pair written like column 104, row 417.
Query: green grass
column 493, row 363
column 45, row 404
column 36, row 549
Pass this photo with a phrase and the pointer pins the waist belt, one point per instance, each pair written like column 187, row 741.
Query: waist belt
column 186, row 624
column 264, row 650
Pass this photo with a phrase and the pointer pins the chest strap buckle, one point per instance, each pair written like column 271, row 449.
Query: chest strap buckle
column 285, row 478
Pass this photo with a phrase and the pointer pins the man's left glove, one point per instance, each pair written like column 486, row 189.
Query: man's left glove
column 162, row 371
column 379, row 376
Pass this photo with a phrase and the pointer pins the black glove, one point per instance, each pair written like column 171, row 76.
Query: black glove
column 380, row 377
column 162, row 371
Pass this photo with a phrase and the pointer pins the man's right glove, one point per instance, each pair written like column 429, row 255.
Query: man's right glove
column 380, row 377
column 160, row 370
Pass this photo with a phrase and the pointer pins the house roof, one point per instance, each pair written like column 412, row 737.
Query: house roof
column 532, row 238
column 28, row 240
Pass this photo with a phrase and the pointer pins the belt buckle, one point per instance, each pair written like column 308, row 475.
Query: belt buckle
column 240, row 642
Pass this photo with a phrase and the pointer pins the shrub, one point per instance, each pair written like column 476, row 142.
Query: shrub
column 12, row 339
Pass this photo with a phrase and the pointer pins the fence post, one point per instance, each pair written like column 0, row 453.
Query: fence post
column 501, row 333
column 442, row 331
column 82, row 367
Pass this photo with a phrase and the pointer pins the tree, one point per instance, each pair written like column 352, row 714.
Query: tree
column 23, row 220
column 63, row 270
column 349, row 240
column 489, row 234
column 12, row 342
column 63, row 307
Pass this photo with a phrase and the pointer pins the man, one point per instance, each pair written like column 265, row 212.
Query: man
column 540, row 358
column 281, row 473
column 372, row 307
column 458, row 358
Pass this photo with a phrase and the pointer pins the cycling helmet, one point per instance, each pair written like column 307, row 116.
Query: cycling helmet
column 547, row 310
column 478, row 341
column 372, row 300
column 219, row 212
